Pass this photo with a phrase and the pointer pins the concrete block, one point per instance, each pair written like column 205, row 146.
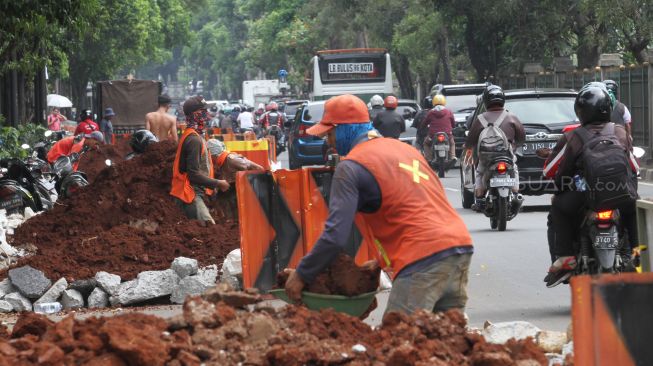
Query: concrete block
column 500, row 333
column 108, row 282
column 54, row 292
column 188, row 286
column 184, row 266
column 6, row 288
column 72, row 299
column 30, row 282
column 98, row 299
column 85, row 286
column 550, row 341
column 209, row 274
column 610, row 60
column 5, row 307
column 18, row 302
column 148, row 285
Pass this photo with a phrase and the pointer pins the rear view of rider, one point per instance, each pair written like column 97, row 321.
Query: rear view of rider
column 593, row 108
column 272, row 117
column 376, row 106
column 418, row 121
column 620, row 113
column 389, row 122
column 440, row 119
column 495, row 114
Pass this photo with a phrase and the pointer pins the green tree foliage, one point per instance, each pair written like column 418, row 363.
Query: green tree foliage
column 11, row 139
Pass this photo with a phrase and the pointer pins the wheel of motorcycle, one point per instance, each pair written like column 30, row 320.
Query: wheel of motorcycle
column 441, row 168
column 502, row 213
column 493, row 223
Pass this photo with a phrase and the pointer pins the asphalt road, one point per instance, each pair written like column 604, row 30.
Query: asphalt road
column 506, row 276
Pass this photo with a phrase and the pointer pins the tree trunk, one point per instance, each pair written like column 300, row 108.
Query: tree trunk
column 401, row 68
column 443, row 44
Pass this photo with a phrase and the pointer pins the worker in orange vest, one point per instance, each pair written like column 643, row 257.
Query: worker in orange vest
column 192, row 171
column 226, row 163
column 418, row 235
column 74, row 144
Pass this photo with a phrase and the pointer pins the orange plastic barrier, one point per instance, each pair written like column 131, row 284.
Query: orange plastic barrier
column 281, row 215
column 612, row 319
column 254, row 150
column 119, row 136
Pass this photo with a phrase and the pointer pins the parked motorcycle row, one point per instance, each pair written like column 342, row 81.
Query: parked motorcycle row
column 33, row 182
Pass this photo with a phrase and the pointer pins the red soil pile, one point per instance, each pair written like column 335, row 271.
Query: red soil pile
column 93, row 161
column 342, row 277
column 125, row 222
column 215, row 333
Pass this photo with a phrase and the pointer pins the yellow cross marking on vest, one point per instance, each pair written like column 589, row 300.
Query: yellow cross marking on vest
column 417, row 174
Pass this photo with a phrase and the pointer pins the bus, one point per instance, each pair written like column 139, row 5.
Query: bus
column 363, row 72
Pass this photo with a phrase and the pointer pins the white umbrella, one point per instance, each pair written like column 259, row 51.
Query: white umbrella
column 59, row 101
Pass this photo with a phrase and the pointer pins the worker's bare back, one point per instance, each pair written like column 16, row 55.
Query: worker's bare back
column 162, row 125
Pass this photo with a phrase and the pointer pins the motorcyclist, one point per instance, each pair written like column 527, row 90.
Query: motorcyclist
column 272, row 117
column 74, row 144
column 593, row 108
column 439, row 119
column 376, row 106
column 388, row 122
column 494, row 101
column 86, row 124
column 139, row 142
column 620, row 113
column 422, row 130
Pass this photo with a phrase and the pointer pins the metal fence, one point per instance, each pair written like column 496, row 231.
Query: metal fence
column 635, row 85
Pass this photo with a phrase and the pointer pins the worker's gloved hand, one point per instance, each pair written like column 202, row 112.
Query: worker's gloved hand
column 223, row 185
column 370, row 265
column 294, row 285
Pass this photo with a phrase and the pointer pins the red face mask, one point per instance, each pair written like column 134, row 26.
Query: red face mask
column 198, row 119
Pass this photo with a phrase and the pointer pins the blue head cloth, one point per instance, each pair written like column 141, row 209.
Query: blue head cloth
column 346, row 134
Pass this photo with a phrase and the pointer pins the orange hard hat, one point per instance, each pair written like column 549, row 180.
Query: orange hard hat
column 343, row 109
column 390, row 102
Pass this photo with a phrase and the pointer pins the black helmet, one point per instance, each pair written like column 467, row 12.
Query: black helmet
column 593, row 104
column 427, row 103
column 236, row 109
column 611, row 85
column 141, row 139
column 86, row 114
column 493, row 95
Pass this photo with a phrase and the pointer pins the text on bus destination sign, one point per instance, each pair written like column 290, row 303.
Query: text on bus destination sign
column 351, row 68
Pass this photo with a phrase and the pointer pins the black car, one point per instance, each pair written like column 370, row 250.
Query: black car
column 462, row 101
column 544, row 114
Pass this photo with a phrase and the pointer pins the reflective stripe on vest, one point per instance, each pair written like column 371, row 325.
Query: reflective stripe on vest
column 415, row 219
column 181, row 187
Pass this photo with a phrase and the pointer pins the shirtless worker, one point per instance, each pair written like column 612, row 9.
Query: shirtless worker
column 162, row 124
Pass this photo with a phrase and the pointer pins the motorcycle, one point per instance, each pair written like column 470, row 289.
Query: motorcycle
column 440, row 151
column 502, row 204
column 68, row 180
column 20, row 187
column 279, row 138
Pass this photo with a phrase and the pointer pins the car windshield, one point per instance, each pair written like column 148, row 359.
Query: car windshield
column 313, row 113
column 461, row 103
column 543, row 110
column 291, row 109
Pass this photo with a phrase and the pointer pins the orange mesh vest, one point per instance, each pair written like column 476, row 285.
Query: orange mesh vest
column 181, row 187
column 415, row 219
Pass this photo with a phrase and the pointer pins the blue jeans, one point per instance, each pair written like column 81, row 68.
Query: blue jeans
column 439, row 287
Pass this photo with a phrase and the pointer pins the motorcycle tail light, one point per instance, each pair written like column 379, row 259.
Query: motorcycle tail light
column 440, row 138
column 502, row 167
column 604, row 215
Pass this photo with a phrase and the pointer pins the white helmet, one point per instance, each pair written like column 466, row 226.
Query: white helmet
column 376, row 101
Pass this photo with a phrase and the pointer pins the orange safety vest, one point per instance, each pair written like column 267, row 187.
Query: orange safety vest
column 181, row 187
column 415, row 219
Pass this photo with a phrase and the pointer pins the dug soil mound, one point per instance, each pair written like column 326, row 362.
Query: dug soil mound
column 93, row 161
column 342, row 277
column 215, row 333
column 124, row 222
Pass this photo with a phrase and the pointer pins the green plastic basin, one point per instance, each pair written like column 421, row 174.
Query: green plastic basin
column 354, row 306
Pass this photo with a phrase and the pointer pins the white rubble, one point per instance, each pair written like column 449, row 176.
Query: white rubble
column 6, row 288
column 108, row 282
column 501, row 332
column 18, row 302
column 98, row 299
column 72, row 299
column 188, row 286
column 209, row 274
column 54, row 292
column 184, row 267
column 29, row 281
column 551, row 341
column 568, row 349
column 5, row 307
column 148, row 285
column 232, row 269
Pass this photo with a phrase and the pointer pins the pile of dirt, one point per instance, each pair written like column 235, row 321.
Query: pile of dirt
column 124, row 222
column 342, row 277
column 218, row 334
column 93, row 161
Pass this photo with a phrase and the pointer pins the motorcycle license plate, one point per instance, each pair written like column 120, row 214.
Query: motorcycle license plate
column 441, row 153
column 606, row 240
column 502, row 182
column 11, row 203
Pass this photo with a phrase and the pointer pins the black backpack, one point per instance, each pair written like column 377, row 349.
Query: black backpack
column 606, row 169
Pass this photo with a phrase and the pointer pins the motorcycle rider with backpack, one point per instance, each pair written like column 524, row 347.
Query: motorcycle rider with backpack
column 593, row 167
column 494, row 129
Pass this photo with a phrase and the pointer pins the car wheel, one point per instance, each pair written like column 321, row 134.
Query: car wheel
column 467, row 196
